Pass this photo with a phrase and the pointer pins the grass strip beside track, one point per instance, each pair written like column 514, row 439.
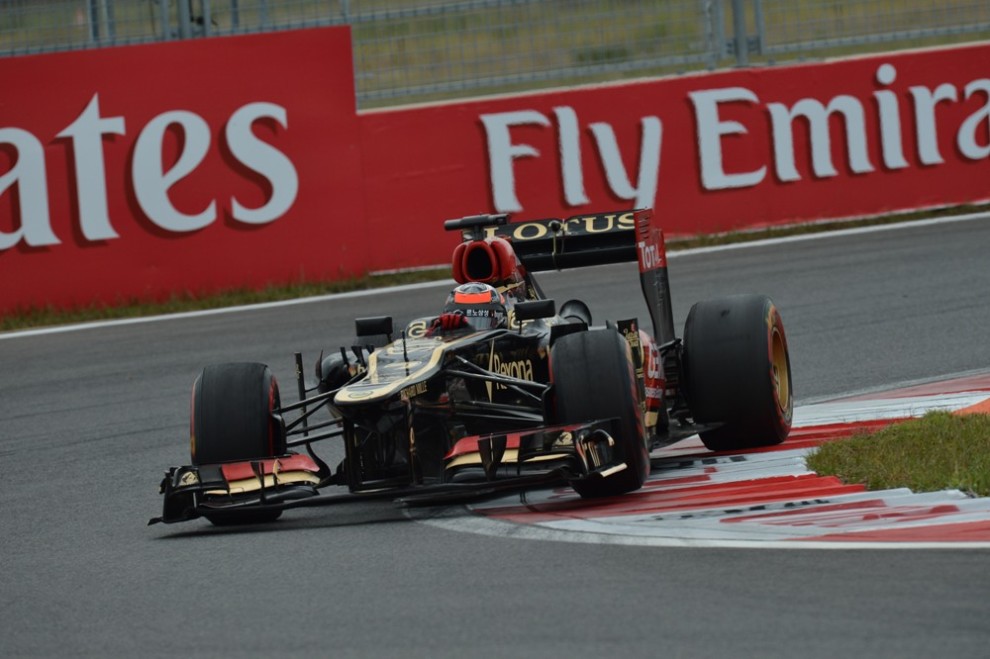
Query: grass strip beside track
column 190, row 301
column 938, row 451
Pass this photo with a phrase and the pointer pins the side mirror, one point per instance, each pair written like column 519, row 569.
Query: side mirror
column 535, row 309
column 374, row 326
column 576, row 310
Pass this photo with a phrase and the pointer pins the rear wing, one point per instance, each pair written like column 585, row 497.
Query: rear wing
column 586, row 240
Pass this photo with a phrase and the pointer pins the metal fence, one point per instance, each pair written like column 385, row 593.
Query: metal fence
column 408, row 50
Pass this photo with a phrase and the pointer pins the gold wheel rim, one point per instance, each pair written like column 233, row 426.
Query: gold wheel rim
column 779, row 371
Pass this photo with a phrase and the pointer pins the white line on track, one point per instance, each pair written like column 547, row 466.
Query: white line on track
column 903, row 384
column 838, row 233
column 448, row 282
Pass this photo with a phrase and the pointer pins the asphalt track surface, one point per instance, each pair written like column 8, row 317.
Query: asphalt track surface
column 91, row 419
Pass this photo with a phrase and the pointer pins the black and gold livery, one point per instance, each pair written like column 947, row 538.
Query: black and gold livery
column 436, row 413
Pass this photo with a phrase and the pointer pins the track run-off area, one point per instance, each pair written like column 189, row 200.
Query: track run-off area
column 766, row 497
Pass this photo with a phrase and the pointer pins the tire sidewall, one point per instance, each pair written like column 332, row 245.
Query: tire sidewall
column 594, row 378
column 232, row 415
column 730, row 373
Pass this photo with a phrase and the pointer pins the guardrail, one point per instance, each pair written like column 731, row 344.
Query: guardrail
column 427, row 49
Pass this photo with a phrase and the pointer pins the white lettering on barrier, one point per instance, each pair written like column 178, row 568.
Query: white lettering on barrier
column 925, row 101
column 150, row 181
column 86, row 133
column 710, row 132
column 645, row 192
column 711, row 129
column 570, row 156
column 966, row 138
column 264, row 159
column 890, row 120
column 28, row 174
column 815, row 113
column 502, row 153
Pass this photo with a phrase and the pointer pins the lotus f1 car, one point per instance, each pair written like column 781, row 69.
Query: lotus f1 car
column 429, row 416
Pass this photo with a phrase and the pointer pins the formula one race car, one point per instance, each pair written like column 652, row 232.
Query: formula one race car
column 503, row 391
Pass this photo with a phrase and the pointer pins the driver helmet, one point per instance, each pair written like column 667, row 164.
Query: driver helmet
column 481, row 305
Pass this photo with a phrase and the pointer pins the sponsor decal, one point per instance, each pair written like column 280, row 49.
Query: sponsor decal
column 417, row 329
column 521, row 369
column 654, row 382
column 359, row 391
column 649, row 256
column 580, row 225
column 564, row 440
column 413, row 391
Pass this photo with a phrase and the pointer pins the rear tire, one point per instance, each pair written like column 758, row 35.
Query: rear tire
column 594, row 378
column 232, row 421
column 737, row 372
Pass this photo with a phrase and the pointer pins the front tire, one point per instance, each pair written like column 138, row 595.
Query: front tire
column 737, row 372
column 594, row 378
column 232, row 421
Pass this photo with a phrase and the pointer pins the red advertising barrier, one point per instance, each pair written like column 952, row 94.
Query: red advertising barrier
column 138, row 172
column 710, row 152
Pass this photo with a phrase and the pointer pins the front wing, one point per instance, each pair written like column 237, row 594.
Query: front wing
column 501, row 463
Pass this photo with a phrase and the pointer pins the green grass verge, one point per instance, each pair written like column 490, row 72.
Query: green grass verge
column 49, row 316
column 189, row 301
column 935, row 452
